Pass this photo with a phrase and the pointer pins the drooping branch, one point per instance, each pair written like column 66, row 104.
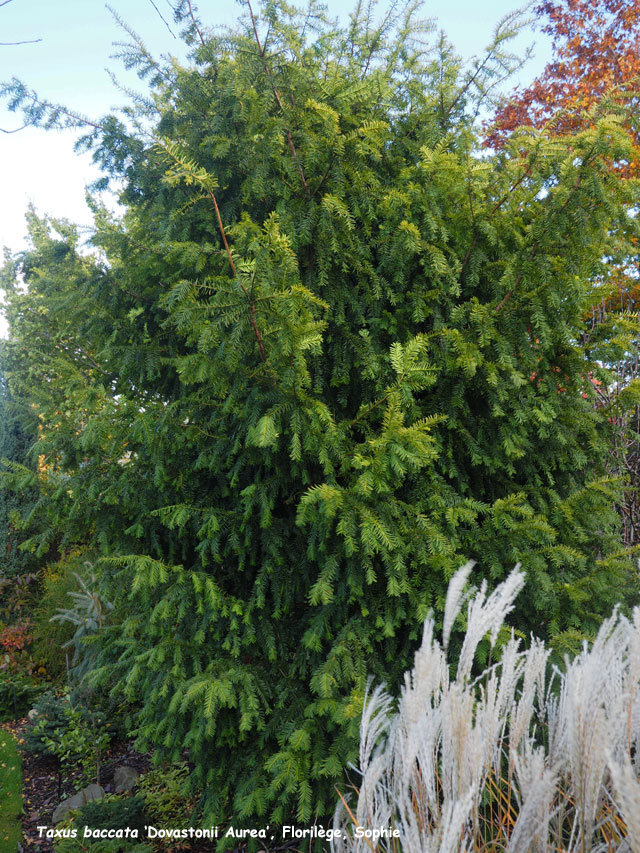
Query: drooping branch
column 34, row 109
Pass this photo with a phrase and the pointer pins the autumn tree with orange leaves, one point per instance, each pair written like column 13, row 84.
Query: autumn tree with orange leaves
column 596, row 55
column 596, row 63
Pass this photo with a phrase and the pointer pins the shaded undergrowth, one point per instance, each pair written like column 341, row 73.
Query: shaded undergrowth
column 10, row 796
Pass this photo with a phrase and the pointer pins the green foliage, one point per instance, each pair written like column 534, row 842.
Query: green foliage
column 10, row 798
column 52, row 638
column 165, row 798
column 17, row 491
column 114, row 813
column 110, row 812
column 75, row 736
column 79, row 745
column 331, row 351
column 88, row 614
column 52, row 716
column 17, row 694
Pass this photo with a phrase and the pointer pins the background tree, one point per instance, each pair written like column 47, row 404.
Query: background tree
column 17, row 437
column 595, row 54
column 597, row 58
column 329, row 353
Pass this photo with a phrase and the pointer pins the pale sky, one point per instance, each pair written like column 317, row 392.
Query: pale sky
column 68, row 66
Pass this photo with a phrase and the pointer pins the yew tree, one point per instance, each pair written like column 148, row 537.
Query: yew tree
column 330, row 352
column 17, row 437
column 596, row 61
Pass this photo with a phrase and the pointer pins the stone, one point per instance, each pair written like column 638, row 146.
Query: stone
column 86, row 795
column 124, row 778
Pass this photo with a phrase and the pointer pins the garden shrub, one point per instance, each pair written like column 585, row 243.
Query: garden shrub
column 15, row 642
column 114, row 813
column 164, row 791
column 76, row 736
column 111, row 812
column 52, row 710
column 333, row 348
column 17, row 695
column 58, row 581
column 79, row 747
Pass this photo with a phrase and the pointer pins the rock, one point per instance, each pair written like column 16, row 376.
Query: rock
column 124, row 779
column 86, row 795
column 33, row 715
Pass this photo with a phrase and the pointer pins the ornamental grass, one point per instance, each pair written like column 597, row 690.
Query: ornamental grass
column 525, row 757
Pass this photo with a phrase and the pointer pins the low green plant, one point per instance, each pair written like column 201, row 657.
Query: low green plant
column 164, row 792
column 79, row 746
column 114, row 812
column 10, row 799
column 75, row 736
column 17, row 695
column 52, row 716
column 111, row 812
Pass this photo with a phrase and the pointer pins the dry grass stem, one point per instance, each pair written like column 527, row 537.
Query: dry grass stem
column 524, row 758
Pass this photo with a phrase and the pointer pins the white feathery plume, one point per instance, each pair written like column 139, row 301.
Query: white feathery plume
column 533, row 685
column 455, row 815
column 455, row 600
column 627, row 790
column 374, row 728
column 431, row 767
column 538, row 787
column 487, row 617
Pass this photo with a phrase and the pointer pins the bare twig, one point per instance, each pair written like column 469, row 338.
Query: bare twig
column 162, row 18
column 195, row 23
column 26, row 41
column 508, row 294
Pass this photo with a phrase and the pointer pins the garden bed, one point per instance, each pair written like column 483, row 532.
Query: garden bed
column 41, row 791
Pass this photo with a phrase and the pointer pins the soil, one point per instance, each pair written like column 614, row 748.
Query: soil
column 41, row 793
column 43, row 790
